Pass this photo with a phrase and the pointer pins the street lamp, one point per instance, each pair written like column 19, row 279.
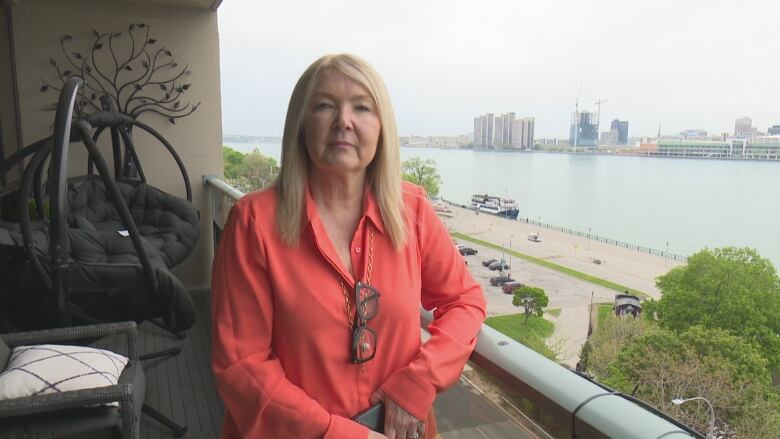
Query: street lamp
column 711, row 432
column 588, row 238
column 666, row 253
column 510, row 254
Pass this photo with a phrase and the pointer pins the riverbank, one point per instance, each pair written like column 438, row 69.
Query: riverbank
column 634, row 269
column 562, row 264
column 630, row 151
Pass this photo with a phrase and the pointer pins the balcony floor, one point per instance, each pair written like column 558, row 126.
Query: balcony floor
column 183, row 388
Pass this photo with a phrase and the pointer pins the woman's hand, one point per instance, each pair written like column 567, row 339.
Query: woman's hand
column 399, row 424
column 374, row 435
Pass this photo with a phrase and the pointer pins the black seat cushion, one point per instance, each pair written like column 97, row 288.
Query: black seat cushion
column 105, row 276
column 170, row 224
column 11, row 237
column 107, row 280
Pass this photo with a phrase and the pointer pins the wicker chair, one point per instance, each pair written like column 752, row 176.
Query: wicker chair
column 77, row 413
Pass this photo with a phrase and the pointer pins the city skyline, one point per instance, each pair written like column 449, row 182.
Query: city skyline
column 616, row 135
column 680, row 65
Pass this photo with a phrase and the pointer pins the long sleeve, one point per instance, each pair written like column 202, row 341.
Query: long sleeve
column 448, row 287
column 261, row 402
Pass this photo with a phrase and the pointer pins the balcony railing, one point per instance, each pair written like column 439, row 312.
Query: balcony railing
column 564, row 403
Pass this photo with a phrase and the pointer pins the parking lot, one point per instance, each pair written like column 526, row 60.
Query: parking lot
column 572, row 296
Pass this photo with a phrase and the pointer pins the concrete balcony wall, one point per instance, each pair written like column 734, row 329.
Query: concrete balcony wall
column 190, row 31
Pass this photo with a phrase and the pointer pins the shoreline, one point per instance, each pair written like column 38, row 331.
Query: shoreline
column 625, row 152
column 578, row 233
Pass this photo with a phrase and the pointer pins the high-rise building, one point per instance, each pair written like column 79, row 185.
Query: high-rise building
column 498, row 133
column 774, row 130
column 488, row 134
column 482, row 140
column 584, row 130
column 609, row 138
column 622, row 129
column 743, row 127
column 523, row 133
column 507, row 138
column 503, row 131
column 478, row 131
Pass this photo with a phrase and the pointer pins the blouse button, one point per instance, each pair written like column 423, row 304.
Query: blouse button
column 357, row 249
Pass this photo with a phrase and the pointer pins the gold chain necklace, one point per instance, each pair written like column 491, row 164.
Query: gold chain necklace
column 350, row 320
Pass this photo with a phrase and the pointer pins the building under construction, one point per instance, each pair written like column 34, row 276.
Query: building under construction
column 584, row 129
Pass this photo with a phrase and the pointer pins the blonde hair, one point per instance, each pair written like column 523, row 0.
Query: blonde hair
column 383, row 173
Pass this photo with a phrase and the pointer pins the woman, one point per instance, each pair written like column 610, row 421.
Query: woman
column 318, row 281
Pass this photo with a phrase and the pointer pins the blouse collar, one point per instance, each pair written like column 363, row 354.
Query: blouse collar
column 370, row 208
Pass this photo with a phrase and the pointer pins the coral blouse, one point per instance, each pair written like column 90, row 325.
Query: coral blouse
column 281, row 338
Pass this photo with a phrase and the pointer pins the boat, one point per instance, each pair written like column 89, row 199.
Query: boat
column 500, row 206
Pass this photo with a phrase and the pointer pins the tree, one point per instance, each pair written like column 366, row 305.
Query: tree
column 251, row 171
column 708, row 362
column 258, row 170
column 532, row 299
column 761, row 417
column 729, row 288
column 612, row 336
column 423, row 173
column 233, row 161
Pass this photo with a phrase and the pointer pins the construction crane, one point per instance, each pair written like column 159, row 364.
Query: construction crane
column 598, row 112
column 577, row 115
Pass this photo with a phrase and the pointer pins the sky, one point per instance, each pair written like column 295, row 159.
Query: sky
column 680, row 64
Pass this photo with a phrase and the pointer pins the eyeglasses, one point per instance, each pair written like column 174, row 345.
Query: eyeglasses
column 363, row 337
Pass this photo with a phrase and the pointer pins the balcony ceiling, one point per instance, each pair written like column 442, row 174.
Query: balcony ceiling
column 198, row 4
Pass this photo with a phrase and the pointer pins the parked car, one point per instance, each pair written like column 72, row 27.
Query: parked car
column 498, row 265
column 510, row 287
column 500, row 280
column 465, row 251
column 487, row 262
column 534, row 237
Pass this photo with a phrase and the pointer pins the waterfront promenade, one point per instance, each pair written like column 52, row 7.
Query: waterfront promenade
column 624, row 266
column 627, row 267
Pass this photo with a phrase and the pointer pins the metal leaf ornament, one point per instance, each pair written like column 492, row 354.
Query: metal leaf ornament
column 120, row 65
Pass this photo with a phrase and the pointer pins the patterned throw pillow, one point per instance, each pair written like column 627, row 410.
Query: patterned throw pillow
column 40, row 369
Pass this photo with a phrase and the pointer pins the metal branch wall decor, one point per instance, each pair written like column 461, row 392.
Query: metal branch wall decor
column 126, row 71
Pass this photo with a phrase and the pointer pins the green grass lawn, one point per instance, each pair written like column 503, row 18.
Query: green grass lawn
column 604, row 309
column 545, row 263
column 531, row 335
column 555, row 312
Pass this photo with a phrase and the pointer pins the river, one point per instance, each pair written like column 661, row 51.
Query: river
column 688, row 203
